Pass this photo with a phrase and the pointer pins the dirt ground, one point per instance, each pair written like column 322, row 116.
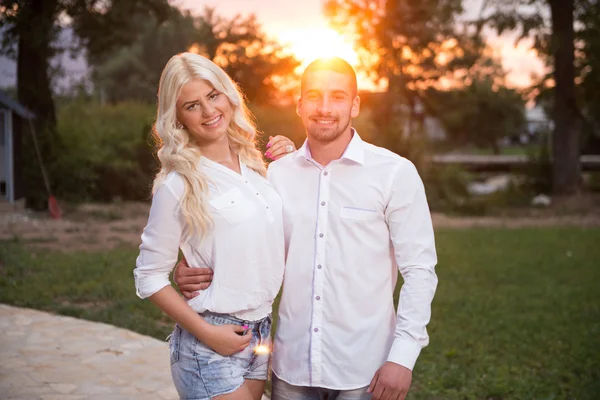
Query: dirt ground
column 89, row 227
column 96, row 227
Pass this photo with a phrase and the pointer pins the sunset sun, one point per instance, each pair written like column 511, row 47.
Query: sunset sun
column 310, row 43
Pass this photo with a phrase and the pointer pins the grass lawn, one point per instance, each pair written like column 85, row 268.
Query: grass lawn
column 516, row 314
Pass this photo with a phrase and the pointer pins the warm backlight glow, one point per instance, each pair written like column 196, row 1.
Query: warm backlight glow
column 309, row 44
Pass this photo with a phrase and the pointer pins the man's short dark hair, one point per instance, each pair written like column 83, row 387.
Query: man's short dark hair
column 335, row 64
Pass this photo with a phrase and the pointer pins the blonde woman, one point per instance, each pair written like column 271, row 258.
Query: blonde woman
column 211, row 200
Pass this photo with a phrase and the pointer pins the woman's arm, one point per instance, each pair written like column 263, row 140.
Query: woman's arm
column 158, row 254
column 223, row 338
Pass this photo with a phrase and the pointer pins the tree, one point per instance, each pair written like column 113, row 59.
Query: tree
column 30, row 28
column 238, row 45
column 256, row 62
column 565, row 140
column 480, row 113
column 412, row 45
column 557, row 40
column 587, row 64
column 133, row 71
column 28, row 33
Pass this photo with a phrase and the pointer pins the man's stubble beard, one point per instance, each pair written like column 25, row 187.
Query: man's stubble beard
column 327, row 135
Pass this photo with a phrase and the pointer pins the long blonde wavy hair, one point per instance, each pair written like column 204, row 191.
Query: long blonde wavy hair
column 176, row 148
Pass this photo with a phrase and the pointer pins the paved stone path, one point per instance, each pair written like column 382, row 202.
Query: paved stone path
column 51, row 357
column 46, row 356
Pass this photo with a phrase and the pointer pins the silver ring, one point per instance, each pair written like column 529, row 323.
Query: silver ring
column 289, row 148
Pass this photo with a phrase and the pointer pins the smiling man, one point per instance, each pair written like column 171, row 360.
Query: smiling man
column 354, row 215
column 329, row 101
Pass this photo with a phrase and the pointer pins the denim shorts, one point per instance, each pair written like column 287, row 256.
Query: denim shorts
column 201, row 373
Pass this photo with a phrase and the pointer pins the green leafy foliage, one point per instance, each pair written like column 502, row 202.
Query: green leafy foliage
column 565, row 34
column 410, row 44
column 30, row 29
column 108, row 152
column 479, row 114
column 416, row 47
column 133, row 71
column 407, row 37
column 447, row 190
column 256, row 62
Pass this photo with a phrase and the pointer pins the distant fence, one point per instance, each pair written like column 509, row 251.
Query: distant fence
column 502, row 163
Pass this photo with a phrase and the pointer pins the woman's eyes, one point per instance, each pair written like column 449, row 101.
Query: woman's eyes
column 212, row 97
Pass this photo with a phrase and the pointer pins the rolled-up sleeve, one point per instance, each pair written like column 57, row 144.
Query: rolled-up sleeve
column 411, row 233
column 160, row 244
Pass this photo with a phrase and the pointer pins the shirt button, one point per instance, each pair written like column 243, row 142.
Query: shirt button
column 318, row 297
column 319, row 266
column 321, row 235
column 267, row 207
column 257, row 194
column 322, row 203
column 316, row 329
column 325, row 173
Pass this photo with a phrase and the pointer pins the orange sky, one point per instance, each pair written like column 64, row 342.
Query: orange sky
column 302, row 25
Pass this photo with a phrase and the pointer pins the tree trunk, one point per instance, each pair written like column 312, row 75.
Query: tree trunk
column 36, row 32
column 566, row 168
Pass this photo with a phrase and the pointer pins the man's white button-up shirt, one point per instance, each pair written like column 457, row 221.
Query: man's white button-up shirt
column 349, row 227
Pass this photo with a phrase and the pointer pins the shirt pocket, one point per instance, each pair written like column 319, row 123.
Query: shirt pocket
column 358, row 214
column 233, row 206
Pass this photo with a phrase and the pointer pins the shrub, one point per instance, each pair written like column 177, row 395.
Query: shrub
column 446, row 188
column 107, row 152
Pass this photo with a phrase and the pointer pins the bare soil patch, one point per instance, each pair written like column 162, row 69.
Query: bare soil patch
column 97, row 227
column 89, row 227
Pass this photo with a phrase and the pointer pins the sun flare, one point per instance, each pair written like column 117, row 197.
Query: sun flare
column 309, row 44
column 262, row 349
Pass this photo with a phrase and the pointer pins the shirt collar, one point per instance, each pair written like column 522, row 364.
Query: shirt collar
column 207, row 162
column 354, row 151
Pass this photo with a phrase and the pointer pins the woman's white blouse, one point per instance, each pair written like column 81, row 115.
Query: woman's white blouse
column 244, row 247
